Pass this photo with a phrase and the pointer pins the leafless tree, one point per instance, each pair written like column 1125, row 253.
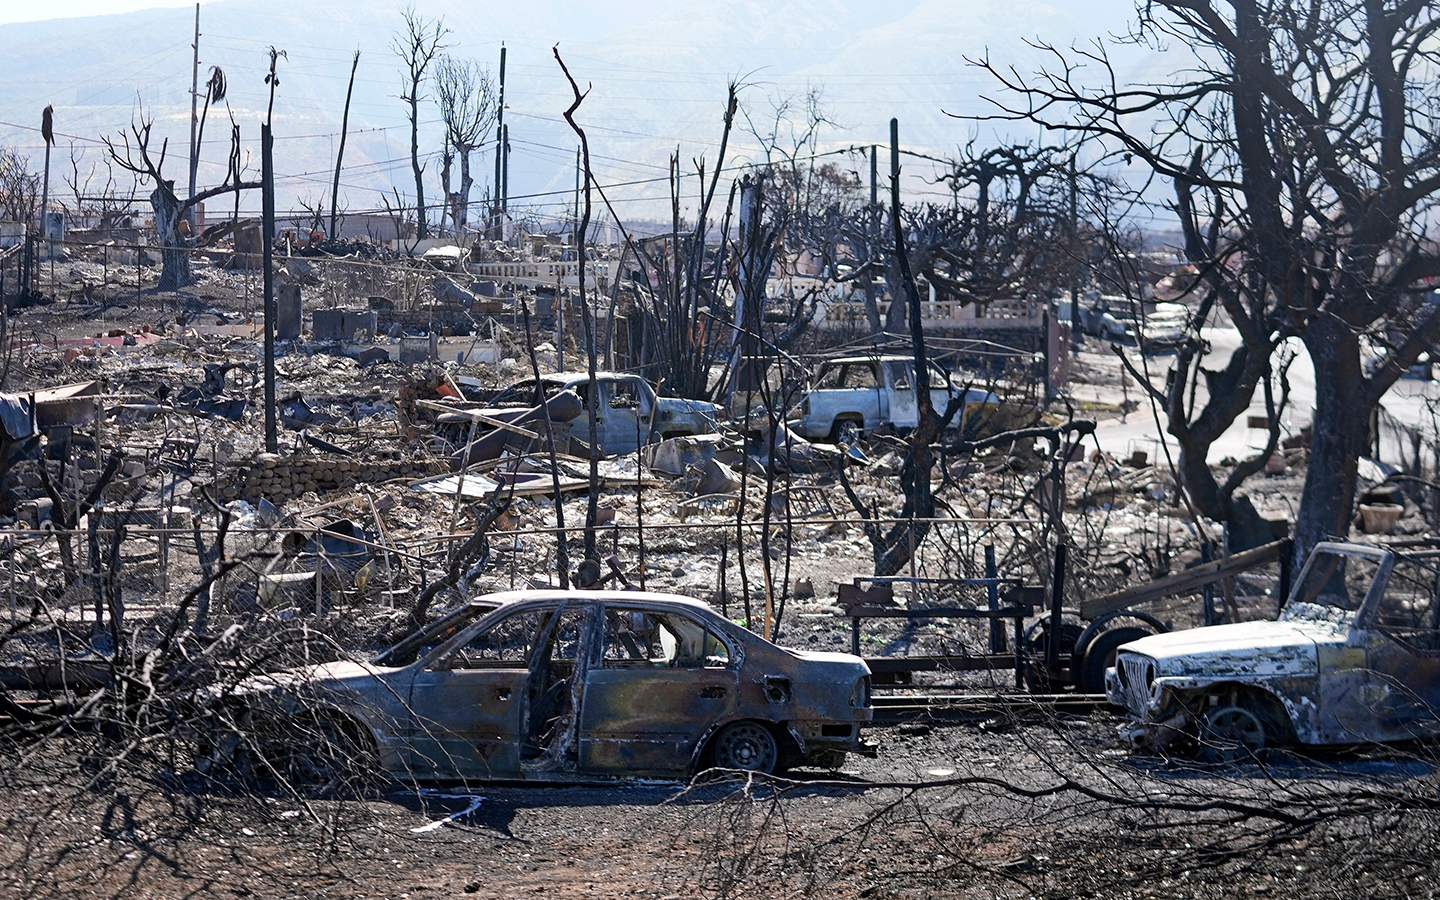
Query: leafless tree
column 103, row 203
column 1308, row 133
column 417, row 43
column 469, row 102
column 19, row 187
column 133, row 154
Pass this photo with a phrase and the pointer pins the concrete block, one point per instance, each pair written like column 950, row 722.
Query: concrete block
column 328, row 325
column 288, row 313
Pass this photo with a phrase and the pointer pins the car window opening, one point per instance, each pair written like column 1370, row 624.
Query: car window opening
column 663, row 640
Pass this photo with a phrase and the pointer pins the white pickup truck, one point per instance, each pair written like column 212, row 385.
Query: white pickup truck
column 855, row 395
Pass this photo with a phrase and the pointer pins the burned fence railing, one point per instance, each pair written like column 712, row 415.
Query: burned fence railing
column 877, row 602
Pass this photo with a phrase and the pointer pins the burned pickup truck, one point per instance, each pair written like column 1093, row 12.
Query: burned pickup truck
column 551, row 686
column 1354, row 657
column 628, row 414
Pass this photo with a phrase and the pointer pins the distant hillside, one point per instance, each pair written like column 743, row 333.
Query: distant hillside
column 657, row 73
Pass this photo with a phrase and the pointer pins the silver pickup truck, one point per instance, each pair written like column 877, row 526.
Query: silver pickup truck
column 854, row 395
column 1354, row 657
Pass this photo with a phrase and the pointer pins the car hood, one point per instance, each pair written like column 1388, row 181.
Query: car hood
column 1243, row 649
column 343, row 676
column 681, row 404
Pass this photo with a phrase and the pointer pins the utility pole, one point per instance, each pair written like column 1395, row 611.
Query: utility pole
column 500, row 144
column 1074, row 239
column 505, row 178
column 194, row 119
column 874, row 230
column 267, row 234
column 340, row 155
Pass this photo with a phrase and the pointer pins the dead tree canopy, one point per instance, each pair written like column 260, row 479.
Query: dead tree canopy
column 469, row 104
column 19, row 187
column 1309, row 132
column 133, row 154
column 417, row 43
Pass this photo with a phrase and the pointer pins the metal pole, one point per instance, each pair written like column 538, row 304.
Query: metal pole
column 992, row 593
column 1287, row 552
column 1057, row 600
column 1206, row 554
column 267, row 236
column 499, row 143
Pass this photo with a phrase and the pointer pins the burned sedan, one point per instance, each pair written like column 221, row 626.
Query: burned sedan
column 1354, row 657
column 554, row 686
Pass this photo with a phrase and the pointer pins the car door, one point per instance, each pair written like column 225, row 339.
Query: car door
column 1403, row 653
column 904, row 409
column 466, row 702
column 627, row 415
column 660, row 682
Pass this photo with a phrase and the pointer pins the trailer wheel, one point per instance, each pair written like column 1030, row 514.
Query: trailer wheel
column 1037, row 645
column 1100, row 655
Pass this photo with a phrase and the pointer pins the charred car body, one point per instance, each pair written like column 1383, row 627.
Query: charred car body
column 1354, row 657
column 628, row 413
column 553, row 686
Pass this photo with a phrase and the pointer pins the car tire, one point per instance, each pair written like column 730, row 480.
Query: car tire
column 1089, row 675
column 845, row 431
column 1231, row 733
column 747, row 746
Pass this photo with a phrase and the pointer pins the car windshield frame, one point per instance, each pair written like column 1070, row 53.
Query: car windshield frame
column 457, row 620
column 1310, row 588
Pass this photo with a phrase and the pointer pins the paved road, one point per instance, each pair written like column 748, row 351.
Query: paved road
column 1411, row 402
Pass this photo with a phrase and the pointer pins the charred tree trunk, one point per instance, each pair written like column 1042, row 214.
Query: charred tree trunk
column 1343, row 403
column 466, row 182
column 174, row 248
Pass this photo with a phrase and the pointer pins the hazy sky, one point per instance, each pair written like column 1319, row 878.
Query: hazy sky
column 17, row 11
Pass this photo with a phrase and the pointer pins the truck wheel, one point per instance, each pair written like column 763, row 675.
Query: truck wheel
column 1229, row 733
column 845, row 431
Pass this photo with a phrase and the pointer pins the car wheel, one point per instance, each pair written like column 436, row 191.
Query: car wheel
column 845, row 431
column 1228, row 733
column 321, row 752
column 748, row 746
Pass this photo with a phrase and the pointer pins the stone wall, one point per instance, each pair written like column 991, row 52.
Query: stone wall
column 281, row 478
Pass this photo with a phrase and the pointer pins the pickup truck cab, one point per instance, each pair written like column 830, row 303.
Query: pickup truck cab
column 1354, row 657
column 854, row 395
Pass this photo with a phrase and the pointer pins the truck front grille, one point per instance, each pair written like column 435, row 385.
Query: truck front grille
column 1136, row 673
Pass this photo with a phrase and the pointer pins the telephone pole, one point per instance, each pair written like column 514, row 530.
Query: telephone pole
column 194, row 118
column 499, row 145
